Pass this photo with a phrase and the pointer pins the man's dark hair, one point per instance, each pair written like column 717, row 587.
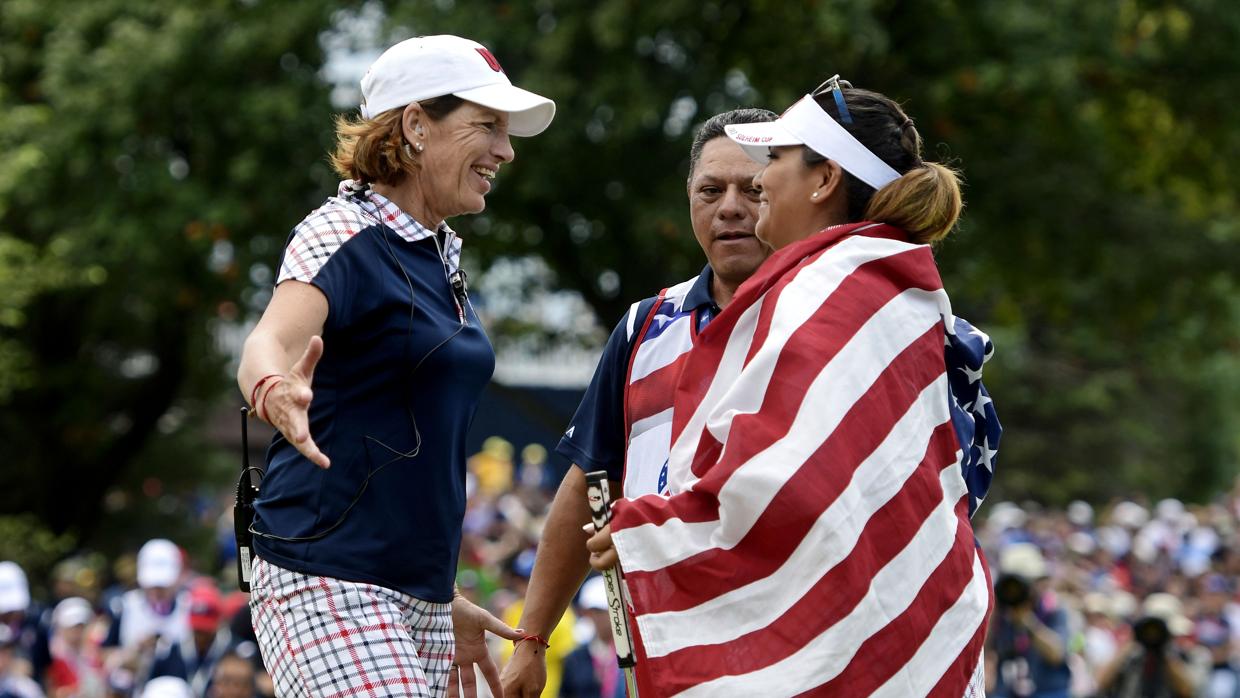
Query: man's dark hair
column 713, row 128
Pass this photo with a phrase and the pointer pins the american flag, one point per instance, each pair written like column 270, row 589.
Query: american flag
column 817, row 539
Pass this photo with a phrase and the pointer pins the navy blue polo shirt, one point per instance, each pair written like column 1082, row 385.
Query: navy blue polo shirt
column 595, row 439
column 394, row 395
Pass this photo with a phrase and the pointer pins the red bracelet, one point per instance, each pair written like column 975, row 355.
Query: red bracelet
column 262, row 406
column 257, row 386
column 535, row 638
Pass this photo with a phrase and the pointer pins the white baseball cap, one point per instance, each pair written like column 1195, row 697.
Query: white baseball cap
column 159, row 564
column 433, row 66
column 593, row 594
column 14, row 591
column 806, row 123
column 167, row 687
column 1170, row 610
column 74, row 610
column 1023, row 560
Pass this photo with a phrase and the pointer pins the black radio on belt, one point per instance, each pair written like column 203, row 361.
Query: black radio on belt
column 243, row 508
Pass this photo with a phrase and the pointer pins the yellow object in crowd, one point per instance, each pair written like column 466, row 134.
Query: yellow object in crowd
column 562, row 643
column 493, row 466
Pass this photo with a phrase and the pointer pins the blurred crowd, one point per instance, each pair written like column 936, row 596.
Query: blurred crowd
column 159, row 630
column 160, row 623
column 1131, row 598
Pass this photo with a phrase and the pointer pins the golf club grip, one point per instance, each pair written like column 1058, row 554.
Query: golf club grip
column 599, row 498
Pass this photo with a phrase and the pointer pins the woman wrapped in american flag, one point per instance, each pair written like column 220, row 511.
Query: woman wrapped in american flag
column 831, row 439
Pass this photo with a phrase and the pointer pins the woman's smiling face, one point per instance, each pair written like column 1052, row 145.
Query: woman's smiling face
column 463, row 153
column 785, row 207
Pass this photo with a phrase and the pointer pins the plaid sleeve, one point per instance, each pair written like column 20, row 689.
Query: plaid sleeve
column 316, row 239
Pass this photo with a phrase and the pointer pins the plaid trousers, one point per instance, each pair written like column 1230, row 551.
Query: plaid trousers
column 323, row 637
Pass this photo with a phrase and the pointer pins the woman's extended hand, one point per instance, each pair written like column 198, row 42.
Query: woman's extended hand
column 603, row 555
column 470, row 624
column 286, row 405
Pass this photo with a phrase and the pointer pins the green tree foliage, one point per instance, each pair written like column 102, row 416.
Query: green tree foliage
column 153, row 154
column 1101, row 240
column 27, row 541
column 156, row 154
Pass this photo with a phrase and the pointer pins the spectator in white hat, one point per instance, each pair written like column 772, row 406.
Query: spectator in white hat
column 77, row 669
column 370, row 359
column 144, row 616
column 14, row 591
column 1153, row 661
column 22, row 622
column 1028, row 637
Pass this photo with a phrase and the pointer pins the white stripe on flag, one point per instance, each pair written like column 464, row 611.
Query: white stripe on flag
column 631, row 320
column 843, row 381
column 803, row 296
column 960, row 622
column 640, row 426
column 891, row 591
column 654, row 354
column 680, row 457
column 832, row 537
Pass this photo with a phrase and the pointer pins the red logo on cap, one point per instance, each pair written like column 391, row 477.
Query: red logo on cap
column 490, row 59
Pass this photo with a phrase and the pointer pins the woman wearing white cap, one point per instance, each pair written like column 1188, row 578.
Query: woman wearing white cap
column 827, row 449
column 77, row 670
column 369, row 361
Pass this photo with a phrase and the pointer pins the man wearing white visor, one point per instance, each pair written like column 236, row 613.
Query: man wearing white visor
column 831, row 439
column 370, row 360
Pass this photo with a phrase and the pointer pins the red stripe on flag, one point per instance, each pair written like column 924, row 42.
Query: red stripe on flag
column 802, row 358
column 771, row 299
column 884, row 653
column 652, row 393
column 694, row 382
column 833, row 596
column 957, row 677
column 815, row 486
column 813, row 345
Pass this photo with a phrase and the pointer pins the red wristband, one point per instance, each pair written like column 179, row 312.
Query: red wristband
column 262, row 406
column 535, row 638
column 259, row 385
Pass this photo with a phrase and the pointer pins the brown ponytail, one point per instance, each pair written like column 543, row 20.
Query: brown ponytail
column 925, row 202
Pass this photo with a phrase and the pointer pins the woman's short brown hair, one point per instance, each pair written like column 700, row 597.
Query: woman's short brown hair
column 373, row 150
column 925, row 201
